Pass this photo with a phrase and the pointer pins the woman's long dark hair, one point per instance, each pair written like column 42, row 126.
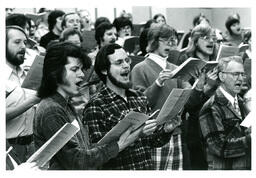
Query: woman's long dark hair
column 55, row 59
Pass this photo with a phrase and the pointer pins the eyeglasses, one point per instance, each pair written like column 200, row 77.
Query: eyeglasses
column 236, row 74
column 171, row 41
column 208, row 38
column 120, row 62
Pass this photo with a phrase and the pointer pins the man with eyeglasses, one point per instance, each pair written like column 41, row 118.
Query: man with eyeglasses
column 113, row 102
column 228, row 144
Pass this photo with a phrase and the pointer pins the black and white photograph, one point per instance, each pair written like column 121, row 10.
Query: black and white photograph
column 157, row 87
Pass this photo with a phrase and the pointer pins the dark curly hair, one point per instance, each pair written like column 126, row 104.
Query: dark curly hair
column 53, row 69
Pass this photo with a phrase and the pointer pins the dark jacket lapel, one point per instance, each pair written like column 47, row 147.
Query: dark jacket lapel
column 222, row 100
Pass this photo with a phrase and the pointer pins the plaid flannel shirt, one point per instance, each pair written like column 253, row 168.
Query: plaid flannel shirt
column 169, row 157
column 105, row 110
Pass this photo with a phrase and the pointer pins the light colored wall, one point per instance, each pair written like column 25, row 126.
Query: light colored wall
column 24, row 10
column 141, row 14
column 220, row 15
column 179, row 18
column 182, row 18
column 106, row 12
column 157, row 10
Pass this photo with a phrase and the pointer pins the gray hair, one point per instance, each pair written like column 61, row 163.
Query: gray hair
column 223, row 62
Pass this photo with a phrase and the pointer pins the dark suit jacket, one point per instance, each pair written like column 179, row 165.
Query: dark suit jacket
column 227, row 143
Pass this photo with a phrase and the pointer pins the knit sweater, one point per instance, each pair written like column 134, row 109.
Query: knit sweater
column 144, row 75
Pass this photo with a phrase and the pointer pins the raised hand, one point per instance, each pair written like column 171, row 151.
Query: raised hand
column 164, row 75
column 212, row 76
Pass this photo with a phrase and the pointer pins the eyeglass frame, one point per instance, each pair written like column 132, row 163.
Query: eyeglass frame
column 235, row 74
column 127, row 60
column 208, row 38
column 170, row 41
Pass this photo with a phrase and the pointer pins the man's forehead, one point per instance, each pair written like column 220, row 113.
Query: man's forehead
column 118, row 54
column 233, row 65
column 15, row 33
column 72, row 16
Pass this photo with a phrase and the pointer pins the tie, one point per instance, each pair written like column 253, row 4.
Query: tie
column 236, row 106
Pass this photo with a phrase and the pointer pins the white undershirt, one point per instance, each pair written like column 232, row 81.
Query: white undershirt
column 162, row 62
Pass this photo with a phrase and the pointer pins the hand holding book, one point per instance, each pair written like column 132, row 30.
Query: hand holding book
column 54, row 144
column 169, row 126
column 173, row 105
column 150, row 127
column 164, row 75
column 192, row 68
column 133, row 123
column 128, row 138
column 132, row 134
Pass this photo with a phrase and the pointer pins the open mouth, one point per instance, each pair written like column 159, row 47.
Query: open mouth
column 167, row 50
column 21, row 53
column 125, row 74
column 79, row 84
column 209, row 46
column 238, row 84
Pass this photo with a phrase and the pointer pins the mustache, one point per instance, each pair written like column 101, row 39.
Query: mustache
column 23, row 51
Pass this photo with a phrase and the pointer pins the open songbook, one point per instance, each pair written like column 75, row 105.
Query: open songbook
column 132, row 120
column 173, row 105
column 54, row 144
column 226, row 51
column 243, row 47
column 248, row 120
column 34, row 76
column 36, row 17
column 187, row 69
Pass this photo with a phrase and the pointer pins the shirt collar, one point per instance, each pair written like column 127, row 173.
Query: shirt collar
column 228, row 96
column 11, row 68
column 64, row 102
column 107, row 91
column 61, row 100
column 162, row 62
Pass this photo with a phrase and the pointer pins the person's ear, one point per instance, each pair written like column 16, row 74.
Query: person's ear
column 221, row 76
